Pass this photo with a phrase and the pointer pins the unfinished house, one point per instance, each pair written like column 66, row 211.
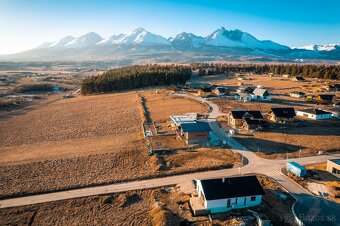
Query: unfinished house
column 281, row 115
column 252, row 124
column 198, row 132
column 237, row 117
column 325, row 98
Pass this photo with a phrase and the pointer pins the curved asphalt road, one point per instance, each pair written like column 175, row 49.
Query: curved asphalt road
column 310, row 209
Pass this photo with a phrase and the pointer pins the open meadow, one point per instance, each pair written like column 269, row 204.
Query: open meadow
column 88, row 140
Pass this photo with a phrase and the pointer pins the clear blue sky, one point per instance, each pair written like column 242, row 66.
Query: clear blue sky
column 25, row 24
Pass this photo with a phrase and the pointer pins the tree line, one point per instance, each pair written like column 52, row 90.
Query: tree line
column 137, row 76
column 305, row 70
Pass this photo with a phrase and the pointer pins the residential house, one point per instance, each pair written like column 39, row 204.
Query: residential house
column 315, row 114
column 242, row 97
column 220, row 91
column 331, row 88
column 298, row 79
column 205, row 91
column 325, row 98
column 225, row 194
column 281, row 115
column 197, row 85
column 261, row 94
column 335, row 111
column 333, row 166
column 196, row 132
column 236, row 117
column 297, row 94
column 252, row 124
column 243, row 89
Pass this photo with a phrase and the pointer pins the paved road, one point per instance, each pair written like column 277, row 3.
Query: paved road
column 309, row 208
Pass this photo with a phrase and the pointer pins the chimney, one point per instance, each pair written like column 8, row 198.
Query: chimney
column 223, row 180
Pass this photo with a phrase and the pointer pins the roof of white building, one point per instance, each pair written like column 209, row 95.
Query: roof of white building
column 231, row 187
column 186, row 118
column 315, row 111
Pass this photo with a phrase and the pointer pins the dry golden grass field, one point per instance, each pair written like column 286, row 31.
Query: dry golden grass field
column 71, row 127
column 275, row 85
column 67, row 143
column 161, row 105
column 277, row 142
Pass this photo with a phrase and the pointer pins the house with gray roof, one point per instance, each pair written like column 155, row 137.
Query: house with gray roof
column 261, row 94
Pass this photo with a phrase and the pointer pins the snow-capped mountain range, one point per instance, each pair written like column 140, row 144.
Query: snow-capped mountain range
column 141, row 37
column 221, row 42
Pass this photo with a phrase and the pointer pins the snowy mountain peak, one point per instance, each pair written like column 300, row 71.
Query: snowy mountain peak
column 240, row 39
column 139, row 30
column 141, row 37
column 186, row 40
column 87, row 40
column 110, row 40
column 62, row 42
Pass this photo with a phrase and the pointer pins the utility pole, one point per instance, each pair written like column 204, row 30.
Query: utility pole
column 299, row 153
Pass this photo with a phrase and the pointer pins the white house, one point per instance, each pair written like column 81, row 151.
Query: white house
column 242, row 97
column 225, row 194
column 312, row 113
column 261, row 94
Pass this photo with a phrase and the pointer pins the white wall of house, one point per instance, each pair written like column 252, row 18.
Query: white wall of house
column 261, row 98
column 223, row 205
column 313, row 116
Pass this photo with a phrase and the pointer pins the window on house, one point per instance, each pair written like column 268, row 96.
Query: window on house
column 228, row 203
column 253, row 198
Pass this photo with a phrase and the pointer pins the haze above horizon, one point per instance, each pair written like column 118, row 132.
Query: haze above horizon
column 27, row 23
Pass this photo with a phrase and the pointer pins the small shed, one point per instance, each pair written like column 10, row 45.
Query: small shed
column 296, row 169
